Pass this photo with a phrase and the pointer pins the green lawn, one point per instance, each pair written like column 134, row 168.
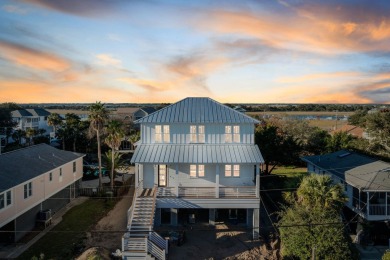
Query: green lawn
column 66, row 239
column 283, row 177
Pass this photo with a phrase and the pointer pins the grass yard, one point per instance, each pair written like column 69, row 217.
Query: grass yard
column 283, row 177
column 66, row 239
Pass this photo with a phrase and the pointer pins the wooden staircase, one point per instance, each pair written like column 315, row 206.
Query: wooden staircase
column 140, row 242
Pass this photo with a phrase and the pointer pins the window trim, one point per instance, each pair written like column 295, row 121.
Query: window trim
column 27, row 188
column 197, row 169
column 232, row 134
column 162, row 134
column 197, row 134
column 233, row 169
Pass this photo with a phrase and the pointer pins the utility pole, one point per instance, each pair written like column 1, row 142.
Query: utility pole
column 313, row 253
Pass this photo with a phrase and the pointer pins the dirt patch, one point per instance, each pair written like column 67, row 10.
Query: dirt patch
column 109, row 230
column 95, row 253
column 222, row 242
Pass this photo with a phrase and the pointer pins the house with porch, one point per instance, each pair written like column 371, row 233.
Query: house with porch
column 196, row 162
column 35, row 118
column 35, row 182
column 366, row 181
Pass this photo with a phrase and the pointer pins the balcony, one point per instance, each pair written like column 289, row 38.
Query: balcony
column 236, row 192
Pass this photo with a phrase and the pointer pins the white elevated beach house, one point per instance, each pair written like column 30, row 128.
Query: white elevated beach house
column 196, row 162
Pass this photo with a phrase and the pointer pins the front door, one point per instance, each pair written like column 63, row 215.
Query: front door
column 162, row 175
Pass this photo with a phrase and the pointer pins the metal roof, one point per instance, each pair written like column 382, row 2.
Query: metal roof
column 24, row 164
column 30, row 112
column 197, row 153
column 356, row 169
column 197, row 110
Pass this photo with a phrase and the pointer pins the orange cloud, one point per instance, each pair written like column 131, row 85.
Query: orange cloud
column 32, row 58
column 341, row 75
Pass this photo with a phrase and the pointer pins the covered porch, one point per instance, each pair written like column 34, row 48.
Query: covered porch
column 244, row 192
column 372, row 205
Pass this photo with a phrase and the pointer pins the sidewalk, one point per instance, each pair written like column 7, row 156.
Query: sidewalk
column 13, row 251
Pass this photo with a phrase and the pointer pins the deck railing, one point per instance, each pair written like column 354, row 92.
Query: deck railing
column 208, row 192
column 377, row 209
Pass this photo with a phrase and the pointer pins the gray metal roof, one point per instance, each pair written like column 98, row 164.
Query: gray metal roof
column 197, row 153
column 30, row 112
column 24, row 164
column 197, row 110
column 356, row 169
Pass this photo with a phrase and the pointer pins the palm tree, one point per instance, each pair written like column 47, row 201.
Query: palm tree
column 320, row 191
column 30, row 133
column 54, row 120
column 114, row 137
column 119, row 162
column 98, row 116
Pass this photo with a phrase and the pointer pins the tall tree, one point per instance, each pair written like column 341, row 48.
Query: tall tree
column 313, row 222
column 114, row 137
column 338, row 141
column 378, row 126
column 54, row 120
column 30, row 133
column 97, row 117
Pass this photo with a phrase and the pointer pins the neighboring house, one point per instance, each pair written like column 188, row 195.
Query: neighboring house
column 240, row 109
column 34, row 179
column 366, row 181
column 196, row 162
column 133, row 113
column 32, row 118
column 353, row 130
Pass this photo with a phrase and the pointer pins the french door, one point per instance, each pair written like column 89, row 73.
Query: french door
column 162, row 175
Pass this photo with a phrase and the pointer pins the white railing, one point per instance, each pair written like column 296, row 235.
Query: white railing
column 130, row 212
column 156, row 251
column 166, row 192
column 209, row 192
column 198, row 192
column 237, row 192
column 377, row 209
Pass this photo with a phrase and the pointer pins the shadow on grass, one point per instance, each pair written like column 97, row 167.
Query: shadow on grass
column 66, row 239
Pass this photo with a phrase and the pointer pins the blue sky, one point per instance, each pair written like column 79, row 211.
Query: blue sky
column 163, row 51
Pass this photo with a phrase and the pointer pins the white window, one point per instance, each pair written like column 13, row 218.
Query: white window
column 232, row 170
column 27, row 190
column 236, row 133
column 162, row 134
column 166, row 134
column 5, row 199
column 228, row 134
column 158, row 132
column 196, row 170
column 197, row 134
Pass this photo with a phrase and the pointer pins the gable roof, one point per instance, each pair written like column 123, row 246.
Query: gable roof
column 127, row 110
column 30, row 112
column 24, row 164
column 148, row 110
column 356, row 169
column 197, row 110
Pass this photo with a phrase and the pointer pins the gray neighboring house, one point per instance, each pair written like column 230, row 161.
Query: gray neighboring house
column 34, row 179
column 196, row 162
column 366, row 181
column 35, row 118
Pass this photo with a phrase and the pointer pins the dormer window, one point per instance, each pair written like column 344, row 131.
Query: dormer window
column 162, row 134
column 197, row 134
column 232, row 134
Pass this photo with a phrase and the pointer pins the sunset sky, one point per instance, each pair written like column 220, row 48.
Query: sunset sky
column 121, row 51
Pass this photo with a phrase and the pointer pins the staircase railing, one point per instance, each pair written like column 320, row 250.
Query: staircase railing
column 157, row 246
column 130, row 212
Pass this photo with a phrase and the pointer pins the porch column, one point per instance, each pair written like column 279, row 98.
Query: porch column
column 177, row 180
column 256, row 223
column 212, row 216
column 136, row 173
column 257, row 181
column 368, row 203
column 217, row 181
column 174, row 217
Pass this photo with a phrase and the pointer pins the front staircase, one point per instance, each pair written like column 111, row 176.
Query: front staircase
column 140, row 242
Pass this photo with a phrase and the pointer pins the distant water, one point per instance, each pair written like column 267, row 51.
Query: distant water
column 311, row 117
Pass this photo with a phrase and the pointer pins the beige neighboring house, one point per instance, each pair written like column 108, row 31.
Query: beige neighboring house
column 133, row 113
column 35, row 182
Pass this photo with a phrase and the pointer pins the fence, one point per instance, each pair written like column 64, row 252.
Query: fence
column 106, row 191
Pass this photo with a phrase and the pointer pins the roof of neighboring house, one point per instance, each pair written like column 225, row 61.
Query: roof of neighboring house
column 24, row 164
column 197, row 110
column 351, row 129
column 197, row 153
column 149, row 110
column 127, row 110
column 356, row 169
column 30, row 112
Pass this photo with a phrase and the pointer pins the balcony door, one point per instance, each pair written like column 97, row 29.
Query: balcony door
column 162, row 175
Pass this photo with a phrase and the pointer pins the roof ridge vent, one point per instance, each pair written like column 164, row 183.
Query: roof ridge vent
column 344, row 155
